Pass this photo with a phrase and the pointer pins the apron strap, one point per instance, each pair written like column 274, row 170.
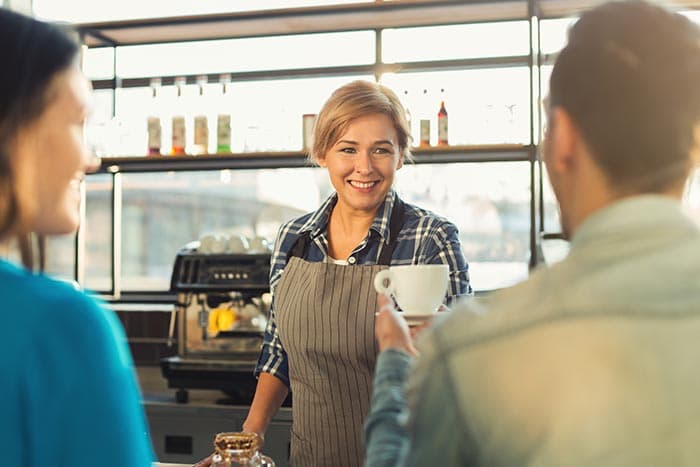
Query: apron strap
column 300, row 248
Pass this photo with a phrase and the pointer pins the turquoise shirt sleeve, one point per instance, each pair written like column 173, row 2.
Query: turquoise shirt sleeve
column 84, row 405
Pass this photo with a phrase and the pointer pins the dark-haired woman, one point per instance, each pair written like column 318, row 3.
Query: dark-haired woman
column 68, row 395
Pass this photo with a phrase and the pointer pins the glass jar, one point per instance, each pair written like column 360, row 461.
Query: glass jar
column 239, row 449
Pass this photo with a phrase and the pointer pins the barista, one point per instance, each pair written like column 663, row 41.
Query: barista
column 320, row 339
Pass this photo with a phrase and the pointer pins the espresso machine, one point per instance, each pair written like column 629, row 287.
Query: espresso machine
column 219, row 318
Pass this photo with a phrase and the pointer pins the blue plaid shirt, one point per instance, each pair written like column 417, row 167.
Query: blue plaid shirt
column 425, row 238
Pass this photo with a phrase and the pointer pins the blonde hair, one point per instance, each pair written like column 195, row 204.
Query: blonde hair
column 353, row 100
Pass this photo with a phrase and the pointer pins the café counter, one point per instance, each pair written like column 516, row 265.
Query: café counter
column 184, row 433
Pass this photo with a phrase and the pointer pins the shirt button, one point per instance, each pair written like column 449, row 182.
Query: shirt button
column 351, row 260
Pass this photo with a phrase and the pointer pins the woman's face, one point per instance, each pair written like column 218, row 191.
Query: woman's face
column 362, row 163
column 51, row 158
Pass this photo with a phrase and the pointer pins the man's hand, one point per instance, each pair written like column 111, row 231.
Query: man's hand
column 391, row 329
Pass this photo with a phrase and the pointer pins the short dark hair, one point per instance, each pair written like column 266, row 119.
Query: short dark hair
column 630, row 79
column 31, row 54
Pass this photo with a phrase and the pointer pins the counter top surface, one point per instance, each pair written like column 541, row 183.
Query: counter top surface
column 157, row 396
column 154, row 388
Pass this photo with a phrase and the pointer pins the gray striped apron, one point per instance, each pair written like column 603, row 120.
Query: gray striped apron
column 325, row 319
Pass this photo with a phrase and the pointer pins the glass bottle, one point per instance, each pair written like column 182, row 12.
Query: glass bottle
column 223, row 119
column 240, row 448
column 407, row 112
column 442, row 123
column 178, row 122
column 425, row 122
column 201, row 125
column 153, row 123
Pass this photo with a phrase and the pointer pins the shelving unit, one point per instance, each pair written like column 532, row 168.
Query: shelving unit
column 375, row 16
column 334, row 18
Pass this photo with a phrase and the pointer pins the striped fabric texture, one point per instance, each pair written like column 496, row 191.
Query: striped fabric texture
column 326, row 321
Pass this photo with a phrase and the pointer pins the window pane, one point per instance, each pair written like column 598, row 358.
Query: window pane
column 489, row 203
column 248, row 54
column 265, row 115
column 99, row 63
column 60, row 256
column 162, row 212
column 484, row 106
column 92, row 11
column 553, row 34
column 545, row 75
column 551, row 211
column 100, row 132
column 691, row 200
column 552, row 223
column 98, row 232
column 693, row 15
column 455, row 42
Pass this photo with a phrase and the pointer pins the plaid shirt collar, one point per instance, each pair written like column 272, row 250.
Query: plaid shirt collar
column 318, row 222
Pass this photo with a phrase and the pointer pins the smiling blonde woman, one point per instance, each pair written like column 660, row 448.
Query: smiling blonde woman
column 319, row 342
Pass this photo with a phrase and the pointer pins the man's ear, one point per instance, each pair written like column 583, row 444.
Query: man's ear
column 695, row 148
column 564, row 137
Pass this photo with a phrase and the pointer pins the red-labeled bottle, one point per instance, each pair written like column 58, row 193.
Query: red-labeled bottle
column 442, row 124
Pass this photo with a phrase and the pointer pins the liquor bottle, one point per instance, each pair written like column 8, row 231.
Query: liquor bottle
column 407, row 112
column 153, row 125
column 201, row 125
column 178, row 122
column 223, row 119
column 442, row 123
column 240, row 448
column 425, row 123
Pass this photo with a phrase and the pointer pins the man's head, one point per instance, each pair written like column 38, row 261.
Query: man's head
column 625, row 92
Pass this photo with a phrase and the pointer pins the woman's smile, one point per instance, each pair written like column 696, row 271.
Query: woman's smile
column 363, row 186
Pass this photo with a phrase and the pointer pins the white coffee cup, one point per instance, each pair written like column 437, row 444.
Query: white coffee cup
column 419, row 289
column 237, row 244
column 259, row 245
column 212, row 244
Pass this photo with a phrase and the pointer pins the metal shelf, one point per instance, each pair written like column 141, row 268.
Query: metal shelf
column 288, row 21
column 295, row 159
column 375, row 16
column 350, row 70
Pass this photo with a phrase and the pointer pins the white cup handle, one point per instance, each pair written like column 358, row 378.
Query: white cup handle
column 379, row 282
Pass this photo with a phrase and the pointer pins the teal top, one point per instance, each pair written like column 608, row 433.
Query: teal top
column 68, row 392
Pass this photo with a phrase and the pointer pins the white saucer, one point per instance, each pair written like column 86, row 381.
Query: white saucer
column 415, row 320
